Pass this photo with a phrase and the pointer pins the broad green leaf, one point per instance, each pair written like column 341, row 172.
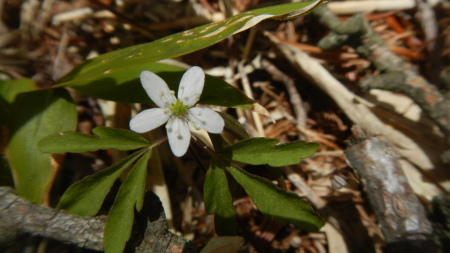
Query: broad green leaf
column 218, row 200
column 273, row 202
column 34, row 115
column 86, row 196
column 8, row 92
column 114, row 70
column 128, row 200
column 9, row 89
column 104, row 138
column 126, row 87
column 258, row 151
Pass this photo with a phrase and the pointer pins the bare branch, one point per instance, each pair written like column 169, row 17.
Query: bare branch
column 398, row 75
column 19, row 216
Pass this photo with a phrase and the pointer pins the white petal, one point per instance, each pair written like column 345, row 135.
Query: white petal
column 206, row 118
column 148, row 120
column 157, row 89
column 179, row 135
column 191, row 86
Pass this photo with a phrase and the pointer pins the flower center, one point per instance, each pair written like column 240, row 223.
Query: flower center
column 178, row 108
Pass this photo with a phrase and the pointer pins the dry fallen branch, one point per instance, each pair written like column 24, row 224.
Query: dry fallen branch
column 353, row 106
column 19, row 216
column 400, row 215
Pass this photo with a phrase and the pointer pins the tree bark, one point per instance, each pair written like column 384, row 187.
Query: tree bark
column 401, row 216
column 19, row 216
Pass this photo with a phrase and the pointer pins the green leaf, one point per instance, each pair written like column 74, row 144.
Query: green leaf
column 34, row 115
column 259, row 151
column 273, row 202
column 109, row 75
column 233, row 127
column 126, row 86
column 8, row 92
column 86, row 196
column 218, row 200
column 104, row 138
column 9, row 89
column 128, row 200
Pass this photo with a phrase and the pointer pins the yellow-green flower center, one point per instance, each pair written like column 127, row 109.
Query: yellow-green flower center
column 178, row 108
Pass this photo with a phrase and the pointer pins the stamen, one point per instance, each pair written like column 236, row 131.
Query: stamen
column 178, row 108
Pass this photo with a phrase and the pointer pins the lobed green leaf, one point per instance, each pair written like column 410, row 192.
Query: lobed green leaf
column 104, row 138
column 128, row 200
column 259, row 151
column 86, row 196
column 273, row 202
column 218, row 200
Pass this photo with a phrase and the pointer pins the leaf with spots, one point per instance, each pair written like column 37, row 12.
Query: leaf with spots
column 114, row 76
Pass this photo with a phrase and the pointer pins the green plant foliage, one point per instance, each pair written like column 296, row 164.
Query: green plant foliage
column 128, row 200
column 218, row 200
column 8, row 92
column 126, row 87
column 259, row 151
column 86, row 196
column 273, row 202
column 104, row 138
column 9, row 89
column 114, row 75
column 233, row 127
column 34, row 115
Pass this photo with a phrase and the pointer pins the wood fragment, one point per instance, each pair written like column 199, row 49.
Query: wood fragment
column 400, row 215
column 19, row 216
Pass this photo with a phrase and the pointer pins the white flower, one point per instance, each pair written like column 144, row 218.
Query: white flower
column 176, row 112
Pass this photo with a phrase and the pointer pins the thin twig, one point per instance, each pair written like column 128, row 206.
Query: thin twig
column 248, row 92
column 398, row 75
column 353, row 106
column 295, row 98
